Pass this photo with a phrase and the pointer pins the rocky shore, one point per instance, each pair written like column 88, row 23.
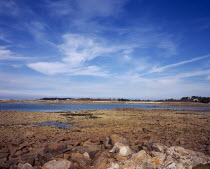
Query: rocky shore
column 114, row 152
column 120, row 138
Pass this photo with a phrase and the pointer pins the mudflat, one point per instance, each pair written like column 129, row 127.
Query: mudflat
column 20, row 134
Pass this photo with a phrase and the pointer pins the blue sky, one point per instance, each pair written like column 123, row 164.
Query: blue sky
column 145, row 49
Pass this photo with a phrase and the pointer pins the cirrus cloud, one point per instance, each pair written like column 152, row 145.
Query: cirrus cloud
column 77, row 51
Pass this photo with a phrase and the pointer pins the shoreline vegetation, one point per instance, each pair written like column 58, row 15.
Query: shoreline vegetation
column 87, row 144
column 96, row 101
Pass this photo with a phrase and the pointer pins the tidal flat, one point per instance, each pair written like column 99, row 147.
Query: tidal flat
column 186, row 128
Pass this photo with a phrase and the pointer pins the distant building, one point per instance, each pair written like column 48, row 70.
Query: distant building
column 196, row 100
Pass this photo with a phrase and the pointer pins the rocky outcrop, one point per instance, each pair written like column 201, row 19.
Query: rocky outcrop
column 163, row 157
column 114, row 152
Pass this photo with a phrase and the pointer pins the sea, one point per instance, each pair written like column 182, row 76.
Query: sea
column 39, row 107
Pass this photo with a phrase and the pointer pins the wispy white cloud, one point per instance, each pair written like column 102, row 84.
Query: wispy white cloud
column 152, row 38
column 59, row 8
column 163, row 68
column 169, row 46
column 52, row 68
column 101, row 8
column 86, row 9
column 201, row 24
column 4, row 38
column 160, row 87
column 193, row 73
column 77, row 51
column 38, row 30
column 9, row 7
column 126, row 57
column 49, row 68
column 7, row 54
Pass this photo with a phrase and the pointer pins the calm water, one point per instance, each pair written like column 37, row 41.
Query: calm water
column 36, row 107
column 54, row 123
column 49, row 123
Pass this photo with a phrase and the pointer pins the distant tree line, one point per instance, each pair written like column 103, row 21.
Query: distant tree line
column 55, row 98
column 183, row 99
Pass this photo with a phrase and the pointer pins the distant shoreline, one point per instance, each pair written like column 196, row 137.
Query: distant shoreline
column 162, row 104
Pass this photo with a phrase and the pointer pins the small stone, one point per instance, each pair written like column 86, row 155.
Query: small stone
column 158, row 155
column 179, row 166
column 101, row 161
column 92, row 146
column 56, row 147
column 116, row 138
column 171, row 166
column 95, row 139
column 60, row 164
column 80, row 159
column 158, row 147
column 76, row 156
column 168, row 160
column 157, row 162
column 25, row 166
column 140, row 156
column 86, row 156
column 66, row 156
column 114, row 166
column 119, row 157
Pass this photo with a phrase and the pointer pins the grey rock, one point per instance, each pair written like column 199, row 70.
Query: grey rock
column 60, row 164
column 122, row 149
